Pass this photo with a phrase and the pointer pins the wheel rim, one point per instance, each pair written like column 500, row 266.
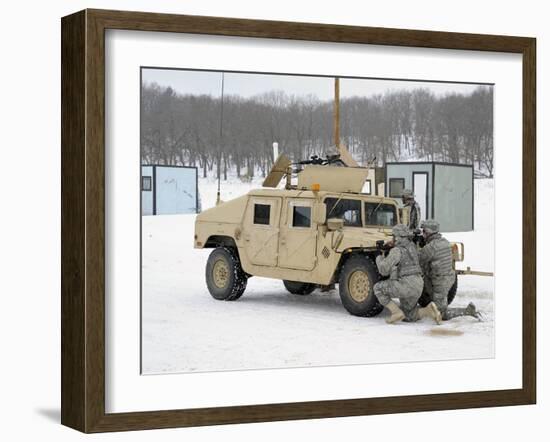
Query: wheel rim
column 220, row 273
column 359, row 286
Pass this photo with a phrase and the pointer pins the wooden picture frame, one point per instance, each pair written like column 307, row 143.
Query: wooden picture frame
column 83, row 220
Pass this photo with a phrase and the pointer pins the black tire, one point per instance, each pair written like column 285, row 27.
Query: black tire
column 426, row 298
column 369, row 306
column 299, row 288
column 225, row 278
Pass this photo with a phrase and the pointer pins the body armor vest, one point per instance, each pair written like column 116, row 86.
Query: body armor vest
column 442, row 261
column 408, row 265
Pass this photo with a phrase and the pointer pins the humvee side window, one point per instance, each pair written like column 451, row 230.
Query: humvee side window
column 301, row 216
column 261, row 214
column 380, row 214
column 348, row 210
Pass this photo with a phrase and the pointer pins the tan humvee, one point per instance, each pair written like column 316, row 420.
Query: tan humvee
column 319, row 232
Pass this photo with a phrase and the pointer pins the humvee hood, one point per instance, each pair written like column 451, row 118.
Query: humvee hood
column 354, row 238
column 230, row 212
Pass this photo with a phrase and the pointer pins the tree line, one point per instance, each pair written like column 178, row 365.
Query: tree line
column 238, row 133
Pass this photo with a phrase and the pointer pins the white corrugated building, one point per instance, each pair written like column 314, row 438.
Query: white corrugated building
column 444, row 191
column 169, row 190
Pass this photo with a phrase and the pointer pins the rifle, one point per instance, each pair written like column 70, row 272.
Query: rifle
column 418, row 238
column 384, row 247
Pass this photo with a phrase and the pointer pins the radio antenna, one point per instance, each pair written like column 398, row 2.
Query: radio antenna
column 220, row 143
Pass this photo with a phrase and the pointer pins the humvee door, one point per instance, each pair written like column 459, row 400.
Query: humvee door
column 298, row 239
column 261, row 230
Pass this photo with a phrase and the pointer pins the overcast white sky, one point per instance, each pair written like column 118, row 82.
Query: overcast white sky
column 248, row 85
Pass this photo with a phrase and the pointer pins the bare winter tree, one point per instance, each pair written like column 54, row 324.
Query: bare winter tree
column 397, row 125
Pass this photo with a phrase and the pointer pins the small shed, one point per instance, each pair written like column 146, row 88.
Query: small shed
column 444, row 191
column 169, row 190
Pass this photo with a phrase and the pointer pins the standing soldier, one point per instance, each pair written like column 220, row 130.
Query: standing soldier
column 405, row 280
column 436, row 260
column 414, row 216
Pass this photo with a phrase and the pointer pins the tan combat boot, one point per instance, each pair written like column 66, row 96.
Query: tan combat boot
column 430, row 311
column 396, row 313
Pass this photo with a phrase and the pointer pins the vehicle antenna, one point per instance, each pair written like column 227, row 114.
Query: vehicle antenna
column 220, row 143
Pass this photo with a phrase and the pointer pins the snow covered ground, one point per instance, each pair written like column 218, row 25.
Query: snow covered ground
column 186, row 330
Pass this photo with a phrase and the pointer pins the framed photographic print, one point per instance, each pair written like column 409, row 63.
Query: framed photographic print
column 270, row 220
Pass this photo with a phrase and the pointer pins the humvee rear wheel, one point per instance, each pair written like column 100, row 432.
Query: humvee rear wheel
column 426, row 298
column 357, row 278
column 225, row 278
column 299, row 288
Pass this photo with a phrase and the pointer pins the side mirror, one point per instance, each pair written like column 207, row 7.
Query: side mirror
column 320, row 213
column 335, row 224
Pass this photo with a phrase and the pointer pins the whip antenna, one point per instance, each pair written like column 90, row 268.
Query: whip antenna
column 220, row 144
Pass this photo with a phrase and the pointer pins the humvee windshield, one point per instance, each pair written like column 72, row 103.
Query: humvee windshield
column 380, row 214
column 347, row 209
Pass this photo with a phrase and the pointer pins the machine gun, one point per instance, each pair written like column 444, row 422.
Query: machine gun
column 327, row 161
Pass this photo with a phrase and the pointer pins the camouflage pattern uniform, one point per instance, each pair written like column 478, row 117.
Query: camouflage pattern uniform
column 405, row 275
column 414, row 216
column 436, row 260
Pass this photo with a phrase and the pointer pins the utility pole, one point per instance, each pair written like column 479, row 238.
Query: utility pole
column 220, row 145
column 337, row 112
column 345, row 156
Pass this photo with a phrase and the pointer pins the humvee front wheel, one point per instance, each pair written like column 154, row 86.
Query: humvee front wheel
column 299, row 288
column 225, row 279
column 357, row 278
column 426, row 298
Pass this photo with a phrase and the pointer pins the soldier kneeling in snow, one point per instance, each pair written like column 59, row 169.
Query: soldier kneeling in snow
column 405, row 280
column 436, row 261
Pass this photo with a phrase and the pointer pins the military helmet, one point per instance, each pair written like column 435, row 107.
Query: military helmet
column 400, row 230
column 430, row 226
column 407, row 193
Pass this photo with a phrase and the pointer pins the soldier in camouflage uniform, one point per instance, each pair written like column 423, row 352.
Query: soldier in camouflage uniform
column 409, row 201
column 436, row 261
column 405, row 280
